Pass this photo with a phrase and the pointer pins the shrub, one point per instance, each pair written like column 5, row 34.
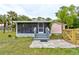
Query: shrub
column 9, row 35
column 16, row 37
column 56, row 36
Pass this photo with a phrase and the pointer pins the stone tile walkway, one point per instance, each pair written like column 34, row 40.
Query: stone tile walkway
column 59, row 43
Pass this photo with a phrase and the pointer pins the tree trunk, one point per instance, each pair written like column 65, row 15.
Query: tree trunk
column 62, row 26
column 68, row 27
column 11, row 26
column 4, row 27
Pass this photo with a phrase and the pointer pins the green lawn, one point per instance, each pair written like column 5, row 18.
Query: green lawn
column 13, row 45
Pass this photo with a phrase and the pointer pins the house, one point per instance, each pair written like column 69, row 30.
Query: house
column 56, row 27
column 36, row 29
column 1, row 26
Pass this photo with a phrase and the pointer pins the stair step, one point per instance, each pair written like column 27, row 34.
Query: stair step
column 41, row 38
column 44, row 40
column 41, row 34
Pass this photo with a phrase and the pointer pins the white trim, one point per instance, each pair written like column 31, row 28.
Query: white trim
column 25, row 34
column 16, row 28
column 38, row 27
column 31, row 21
column 43, row 27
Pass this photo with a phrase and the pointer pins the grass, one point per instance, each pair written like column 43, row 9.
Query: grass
column 56, row 36
column 13, row 46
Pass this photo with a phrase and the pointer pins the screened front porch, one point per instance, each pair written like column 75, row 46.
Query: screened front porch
column 29, row 27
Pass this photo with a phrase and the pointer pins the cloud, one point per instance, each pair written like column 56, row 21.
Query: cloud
column 39, row 1
column 33, row 10
column 29, row 10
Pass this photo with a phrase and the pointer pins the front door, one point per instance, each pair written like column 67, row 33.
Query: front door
column 41, row 28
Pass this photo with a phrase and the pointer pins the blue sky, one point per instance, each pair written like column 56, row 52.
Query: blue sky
column 32, row 10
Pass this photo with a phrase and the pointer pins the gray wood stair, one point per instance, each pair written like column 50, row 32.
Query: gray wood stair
column 41, row 36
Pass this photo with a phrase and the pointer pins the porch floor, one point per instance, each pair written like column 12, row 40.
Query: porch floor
column 59, row 43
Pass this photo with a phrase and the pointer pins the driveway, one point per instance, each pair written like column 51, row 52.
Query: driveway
column 58, row 43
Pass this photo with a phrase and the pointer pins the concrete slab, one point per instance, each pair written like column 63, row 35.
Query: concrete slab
column 59, row 43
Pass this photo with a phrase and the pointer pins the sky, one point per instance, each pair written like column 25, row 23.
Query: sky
column 37, row 9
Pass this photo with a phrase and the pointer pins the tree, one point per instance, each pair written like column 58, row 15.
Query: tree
column 4, row 20
column 39, row 18
column 67, row 15
column 48, row 19
column 34, row 19
column 1, row 21
column 73, row 14
column 12, row 16
column 77, row 11
column 76, row 22
column 61, row 14
column 23, row 18
column 69, row 21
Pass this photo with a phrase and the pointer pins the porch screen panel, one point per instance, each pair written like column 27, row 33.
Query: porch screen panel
column 46, row 25
column 26, row 27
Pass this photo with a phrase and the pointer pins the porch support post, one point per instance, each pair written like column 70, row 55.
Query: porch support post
column 43, row 27
column 38, row 26
column 16, row 28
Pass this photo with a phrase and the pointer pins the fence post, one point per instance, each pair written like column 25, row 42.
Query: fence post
column 74, row 36
column 63, row 34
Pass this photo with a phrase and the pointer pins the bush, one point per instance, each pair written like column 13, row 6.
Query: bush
column 56, row 36
column 9, row 35
column 16, row 37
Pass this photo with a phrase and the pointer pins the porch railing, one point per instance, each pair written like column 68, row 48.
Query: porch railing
column 47, row 32
column 35, row 31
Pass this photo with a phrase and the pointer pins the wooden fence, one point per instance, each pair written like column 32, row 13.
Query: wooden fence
column 71, row 35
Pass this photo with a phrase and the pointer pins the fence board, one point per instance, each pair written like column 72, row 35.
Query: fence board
column 71, row 35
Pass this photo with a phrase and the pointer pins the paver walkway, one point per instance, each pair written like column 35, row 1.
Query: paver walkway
column 59, row 43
